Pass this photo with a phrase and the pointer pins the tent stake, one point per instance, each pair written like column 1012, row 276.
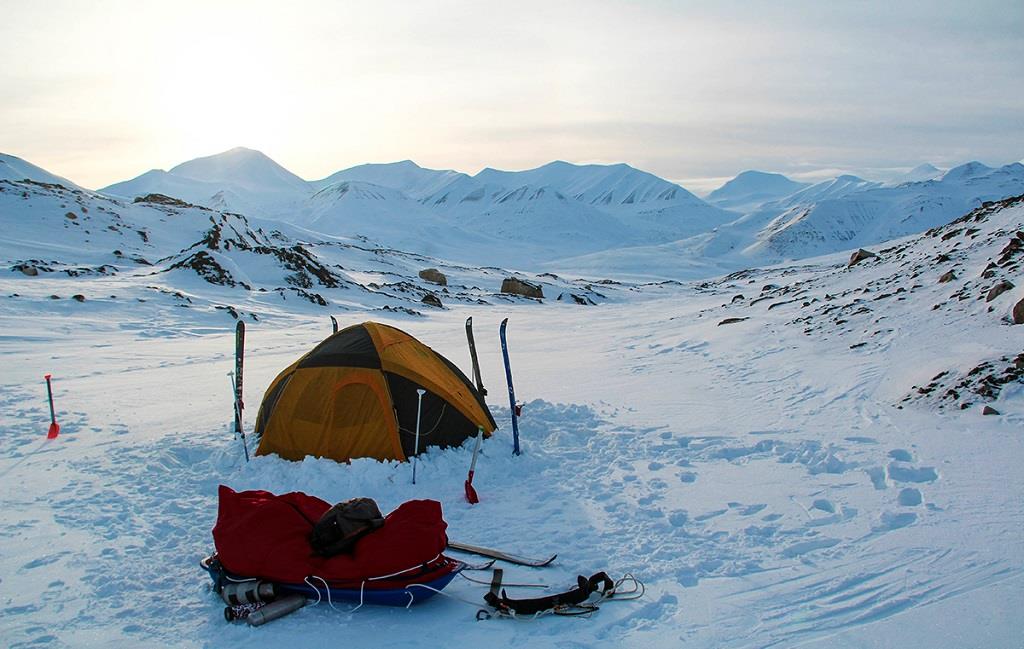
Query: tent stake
column 419, row 408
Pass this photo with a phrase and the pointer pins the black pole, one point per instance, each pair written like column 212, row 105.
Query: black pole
column 49, row 394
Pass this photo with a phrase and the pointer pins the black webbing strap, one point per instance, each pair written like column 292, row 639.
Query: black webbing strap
column 496, row 581
column 584, row 589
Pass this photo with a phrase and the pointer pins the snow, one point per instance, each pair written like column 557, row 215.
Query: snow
column 922, row 172
column 14, row 168
column 406, row 176
column 788, row 478
column 751, row 189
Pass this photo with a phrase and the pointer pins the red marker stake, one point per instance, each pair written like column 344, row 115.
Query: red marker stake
column 54, row 426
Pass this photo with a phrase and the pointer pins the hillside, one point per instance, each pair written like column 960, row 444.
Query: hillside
column 554, row 211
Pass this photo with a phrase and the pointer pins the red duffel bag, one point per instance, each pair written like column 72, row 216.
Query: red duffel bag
column 259, row 534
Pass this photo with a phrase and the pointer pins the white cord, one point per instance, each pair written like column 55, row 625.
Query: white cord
column 317, row 590
column 362, row 585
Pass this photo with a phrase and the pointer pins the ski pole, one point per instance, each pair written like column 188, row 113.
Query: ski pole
column 416, row 452
column 238, row 415
column 511, row 390
column 54, row 426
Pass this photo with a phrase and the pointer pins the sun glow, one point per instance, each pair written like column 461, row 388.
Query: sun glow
column 222, row 90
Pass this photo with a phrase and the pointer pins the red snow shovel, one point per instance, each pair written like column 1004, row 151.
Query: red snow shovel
column 471, row 496
column 54, row 426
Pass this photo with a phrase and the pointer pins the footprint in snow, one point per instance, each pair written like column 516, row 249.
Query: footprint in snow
column 877, row 475
column 901, row 455
column 895, row 520
column 824, row 505
column 902, row 472
column 909, row 497
column 678, row 518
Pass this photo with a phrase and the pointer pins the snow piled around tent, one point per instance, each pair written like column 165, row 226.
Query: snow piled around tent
column 747, row 457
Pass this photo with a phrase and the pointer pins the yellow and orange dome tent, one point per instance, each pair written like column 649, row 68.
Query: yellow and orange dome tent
column 354, row 395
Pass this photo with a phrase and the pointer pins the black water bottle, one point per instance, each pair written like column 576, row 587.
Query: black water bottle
column 247, row 592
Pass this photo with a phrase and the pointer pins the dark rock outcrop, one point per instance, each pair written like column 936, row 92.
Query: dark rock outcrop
column 578, row 299
column 516, row 286
column 860, row 256
column 997, row 290
column 434, row 276
column 731, row 321
column 161, row 199
column 1018, row 312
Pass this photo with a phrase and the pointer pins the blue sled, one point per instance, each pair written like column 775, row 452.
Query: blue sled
column 412, row 593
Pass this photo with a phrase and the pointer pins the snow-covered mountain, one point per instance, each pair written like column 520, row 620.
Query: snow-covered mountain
column 921, row 172
column 598, row 185
column 240, row 179
column 70, row 242
column 561, row 213
column 839, row 214
column 648, row 209
column 406, row 176
column 14, row 168
column 556, row 210
column 871, row 214
column 751, row 189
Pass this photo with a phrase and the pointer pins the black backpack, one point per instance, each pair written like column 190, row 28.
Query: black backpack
column 342, row 525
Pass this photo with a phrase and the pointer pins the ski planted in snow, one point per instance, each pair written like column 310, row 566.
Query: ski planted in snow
column 237, row 381
column 472, row 354
column 511, row 390
column 498, row 554
column 334, row 324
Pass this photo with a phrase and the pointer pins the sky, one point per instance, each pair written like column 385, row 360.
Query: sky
column 694, row 92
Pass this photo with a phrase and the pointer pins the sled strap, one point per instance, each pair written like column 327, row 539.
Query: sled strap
column 496, row 581
column 584, row 589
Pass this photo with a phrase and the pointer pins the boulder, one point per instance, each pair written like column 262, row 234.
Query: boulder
column 1018, row 312
column 731, row 321
column 989, row 410
column 578, row 299
column 1001, row 287
column 948, row 276
column 78, row 297
column 516, row 286
column 737, row 298
column 860, row 256
column 434, row 276
column 31, row 271
column 432, row 300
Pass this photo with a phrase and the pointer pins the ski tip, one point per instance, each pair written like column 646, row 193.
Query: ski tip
column 469, row 321
column 504, row 322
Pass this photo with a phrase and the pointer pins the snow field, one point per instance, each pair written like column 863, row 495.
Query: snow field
column 759, row 491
